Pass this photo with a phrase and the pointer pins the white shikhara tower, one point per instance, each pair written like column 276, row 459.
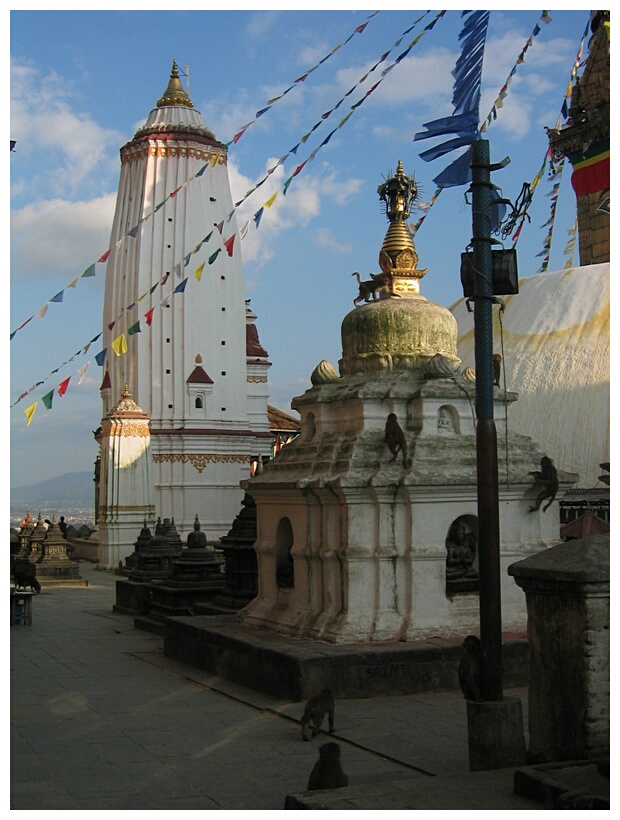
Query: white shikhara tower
column 196, row 369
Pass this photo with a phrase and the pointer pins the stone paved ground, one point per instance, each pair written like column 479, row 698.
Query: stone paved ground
column 101, row 719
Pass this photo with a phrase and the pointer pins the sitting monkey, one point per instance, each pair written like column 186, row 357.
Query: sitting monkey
column 327, row 772
column 470, row 669
column 315, row 711
column 395, row 438
column 547, row 477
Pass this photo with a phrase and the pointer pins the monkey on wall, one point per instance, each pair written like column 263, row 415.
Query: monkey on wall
column 547, row 477
column 470, row 669
column 327, row 772
column 315, row 711
column 395, row 438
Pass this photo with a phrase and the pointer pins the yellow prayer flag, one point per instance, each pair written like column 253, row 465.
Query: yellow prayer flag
column 198, row 271
column 119, row 345
column 271, row 200
column 73, row 283
column 214, row 159
column 29, row 411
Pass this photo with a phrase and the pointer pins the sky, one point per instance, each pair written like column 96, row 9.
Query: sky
column 82, row 82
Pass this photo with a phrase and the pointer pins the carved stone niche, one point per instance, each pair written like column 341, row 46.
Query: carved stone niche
column 448, row 422
column 462, row 556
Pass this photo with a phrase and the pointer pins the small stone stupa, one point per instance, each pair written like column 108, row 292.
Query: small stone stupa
column 367, row 522
column 125, row 486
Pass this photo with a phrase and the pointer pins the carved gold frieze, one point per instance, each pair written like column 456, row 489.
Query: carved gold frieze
column 126, row 428
column 164, row 151
column 257, row 379
column 200, row 460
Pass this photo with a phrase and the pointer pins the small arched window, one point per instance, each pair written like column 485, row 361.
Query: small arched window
column 285, row 574
column 198, row 403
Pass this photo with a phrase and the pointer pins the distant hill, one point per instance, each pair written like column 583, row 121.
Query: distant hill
column 68, row 490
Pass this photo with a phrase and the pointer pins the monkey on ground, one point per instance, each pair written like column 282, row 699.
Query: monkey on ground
column 327, row 772
column 395, row 438
column 470, row 669
column 315, row 711
column 547, row 477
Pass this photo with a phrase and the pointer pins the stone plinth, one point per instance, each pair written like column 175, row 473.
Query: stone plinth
column 567, row 594
column 296, row 669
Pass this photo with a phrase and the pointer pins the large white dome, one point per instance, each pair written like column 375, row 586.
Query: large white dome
column 556, row 355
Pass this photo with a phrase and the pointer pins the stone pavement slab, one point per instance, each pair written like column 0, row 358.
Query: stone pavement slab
column 102, row 719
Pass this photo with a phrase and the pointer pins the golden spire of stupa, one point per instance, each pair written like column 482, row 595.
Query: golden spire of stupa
column 175, row 94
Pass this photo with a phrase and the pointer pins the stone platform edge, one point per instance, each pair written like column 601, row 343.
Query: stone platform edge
column 297, row 668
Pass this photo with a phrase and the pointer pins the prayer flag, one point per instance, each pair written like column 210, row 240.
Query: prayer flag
column 229, row 244
column 73, row 283
column 214, row 256
column 43, row 311
column 47, row 399
column 202, row 170
column 135, row 328
column 149, row 316
column 104, row 257
column 181, row 287
column 89, row 271
column 174, row 193
column 119, row 345
column 82, row 372
column 198, row 271
column 258, row 216
column 100, row 357
column 29, row 411
column 62, row 387
column 271, row 200
column 58, row 297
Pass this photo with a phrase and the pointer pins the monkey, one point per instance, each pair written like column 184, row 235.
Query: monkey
column 315, row 711
column 369, row 287
column 395, row 438
column 23, row 580
column 497, row 369
column 327, row 772
column 547, row 477
column 470, row 669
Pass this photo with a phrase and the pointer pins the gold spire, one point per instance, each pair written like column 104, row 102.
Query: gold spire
column 175, row 93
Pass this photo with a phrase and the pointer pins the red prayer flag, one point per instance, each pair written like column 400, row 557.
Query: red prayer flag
column 104, row 258
column 149, row 316
column 62, row 387
column 229, row 244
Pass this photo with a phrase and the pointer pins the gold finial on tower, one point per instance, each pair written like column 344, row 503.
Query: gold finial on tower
column 175, row 94
column 398, row 257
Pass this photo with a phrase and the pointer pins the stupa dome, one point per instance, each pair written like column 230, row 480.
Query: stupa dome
column 401, row 329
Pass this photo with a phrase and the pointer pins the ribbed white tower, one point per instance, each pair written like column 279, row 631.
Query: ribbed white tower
column 189, row 368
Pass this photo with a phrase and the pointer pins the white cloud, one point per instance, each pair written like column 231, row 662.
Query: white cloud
column 56, row 235
column 43, row 120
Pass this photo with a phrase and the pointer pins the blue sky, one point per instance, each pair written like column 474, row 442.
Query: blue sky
column 82, row 82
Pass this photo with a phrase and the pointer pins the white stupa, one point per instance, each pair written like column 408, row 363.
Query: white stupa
column 555, row 344
column 198, row 369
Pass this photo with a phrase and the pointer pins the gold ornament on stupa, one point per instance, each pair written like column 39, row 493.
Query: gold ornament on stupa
column 398, row 257
column 175, row 94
